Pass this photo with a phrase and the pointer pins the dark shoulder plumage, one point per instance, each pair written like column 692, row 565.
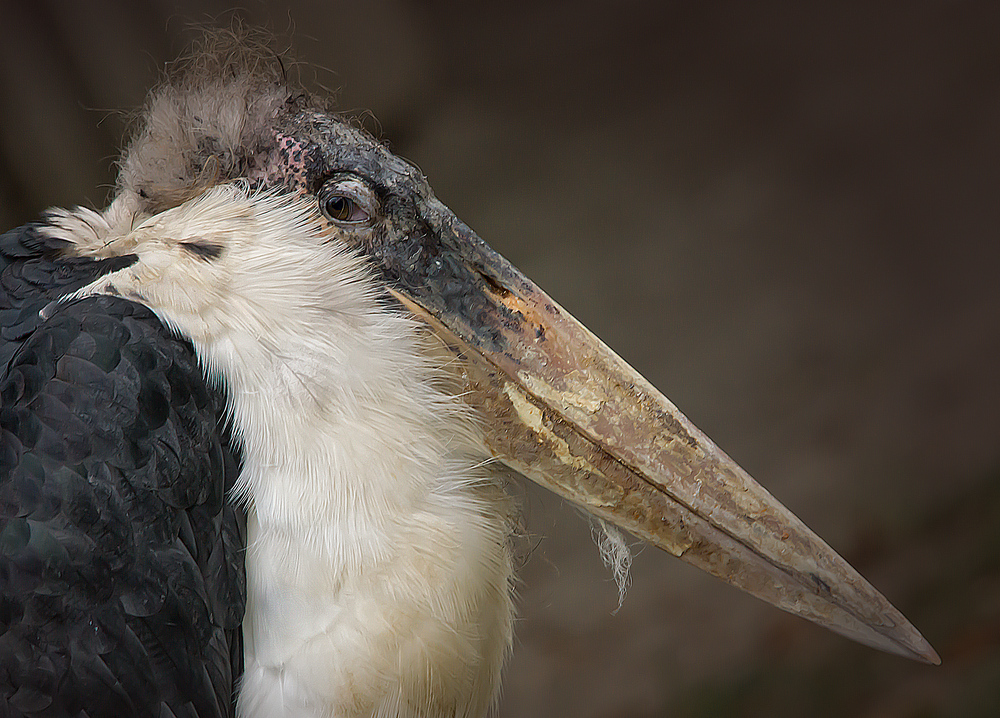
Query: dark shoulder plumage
column 120, row 592
column 35, row 271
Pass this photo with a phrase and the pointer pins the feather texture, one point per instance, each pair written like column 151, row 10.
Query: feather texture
column 114, row 602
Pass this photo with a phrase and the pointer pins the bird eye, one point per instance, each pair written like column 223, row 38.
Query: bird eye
column 343, row 209
column 347, row 201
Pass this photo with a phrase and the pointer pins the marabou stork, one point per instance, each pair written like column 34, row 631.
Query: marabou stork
column 249, row 415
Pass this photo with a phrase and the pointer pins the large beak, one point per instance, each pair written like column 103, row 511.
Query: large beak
column 563, row 409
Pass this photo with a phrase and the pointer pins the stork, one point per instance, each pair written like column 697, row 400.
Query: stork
column 253, row 414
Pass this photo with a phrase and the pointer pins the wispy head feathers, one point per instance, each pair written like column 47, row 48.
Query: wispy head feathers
column 210, row 120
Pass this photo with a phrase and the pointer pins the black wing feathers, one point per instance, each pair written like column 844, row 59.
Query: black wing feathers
column 121, row 567
column 34, row 273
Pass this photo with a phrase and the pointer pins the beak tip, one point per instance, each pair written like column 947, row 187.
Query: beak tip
column 912, row 644
column 907, row 642
column 925, row 653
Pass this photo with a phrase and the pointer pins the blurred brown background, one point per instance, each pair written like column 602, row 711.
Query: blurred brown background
column 785, row 216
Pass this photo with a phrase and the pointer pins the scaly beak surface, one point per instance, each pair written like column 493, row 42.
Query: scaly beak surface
column 564, row 410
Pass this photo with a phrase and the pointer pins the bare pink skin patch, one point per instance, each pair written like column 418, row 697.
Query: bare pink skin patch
column 287, row 165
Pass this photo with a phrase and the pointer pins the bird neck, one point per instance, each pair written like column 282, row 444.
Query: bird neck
column 343, row 428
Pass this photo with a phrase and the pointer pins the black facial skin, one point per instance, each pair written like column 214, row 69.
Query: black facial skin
column 416, row 244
